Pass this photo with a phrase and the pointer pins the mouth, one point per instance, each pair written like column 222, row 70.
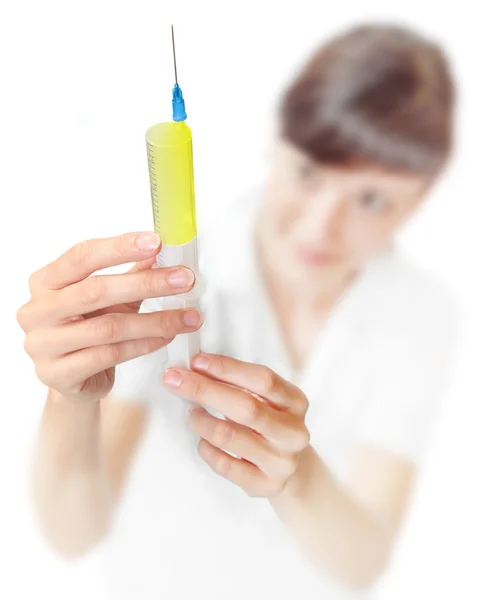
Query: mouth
column 312, row 258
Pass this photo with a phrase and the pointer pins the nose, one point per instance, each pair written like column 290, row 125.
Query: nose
column 325, row 217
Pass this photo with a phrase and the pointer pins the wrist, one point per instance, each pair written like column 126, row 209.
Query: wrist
column 71, row 428
column 296, row 485
column 311, row 471
column 57, row 398
column 64, row 407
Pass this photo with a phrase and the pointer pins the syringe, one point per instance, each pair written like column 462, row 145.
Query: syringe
column 171, row 173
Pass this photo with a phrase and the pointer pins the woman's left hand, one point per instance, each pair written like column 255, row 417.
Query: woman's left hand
column 265, row 426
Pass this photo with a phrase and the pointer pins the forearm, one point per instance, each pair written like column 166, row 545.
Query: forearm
column 334, row 530
column 72, row 491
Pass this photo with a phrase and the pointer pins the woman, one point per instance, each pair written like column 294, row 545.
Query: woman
column 324, row 349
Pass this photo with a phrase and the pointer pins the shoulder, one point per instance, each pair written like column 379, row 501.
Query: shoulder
column 408, row 300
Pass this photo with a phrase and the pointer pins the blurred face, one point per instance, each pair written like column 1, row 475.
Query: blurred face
column 321, row 219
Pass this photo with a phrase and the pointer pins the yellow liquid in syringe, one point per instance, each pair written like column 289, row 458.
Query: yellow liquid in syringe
column 171, row 174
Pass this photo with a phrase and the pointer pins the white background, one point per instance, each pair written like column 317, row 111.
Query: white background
column 81, row 83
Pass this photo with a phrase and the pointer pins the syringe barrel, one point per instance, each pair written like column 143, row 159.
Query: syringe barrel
column 171, row 173
column 169, row 154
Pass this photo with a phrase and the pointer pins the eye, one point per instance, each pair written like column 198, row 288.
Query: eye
column 373, row 201
column 305, row 171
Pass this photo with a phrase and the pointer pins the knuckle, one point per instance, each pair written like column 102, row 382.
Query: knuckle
column 221, row 366
column 252, row 408
column 303, row 438
column 150, row 282
column 304, row 403
column 167, row 322
column 20, row 316
column 149, row 345
column 121, row 244
column 289, row 465
column 24, row 315
column 80, row 253
column 223, row 465
column 222, row 434
column 32, row 281
column 268, row 381
column 277, row 487
column 93, row 291
column 30, row 346
column 108, row 355
column 109, row 328
column 45, row 374
column 199, row 388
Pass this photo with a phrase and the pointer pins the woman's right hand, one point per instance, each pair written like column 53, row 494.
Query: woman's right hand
column 79, row 327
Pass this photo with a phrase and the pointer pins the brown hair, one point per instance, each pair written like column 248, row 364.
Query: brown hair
column 374, row 95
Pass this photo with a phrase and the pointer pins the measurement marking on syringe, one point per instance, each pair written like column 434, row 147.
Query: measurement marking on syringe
column 153, row 182
column 152, row 172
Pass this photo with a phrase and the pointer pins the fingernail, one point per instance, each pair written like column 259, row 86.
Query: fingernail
column 148, row 241
column 180, row 278
column 191, row 318
column 172, row 378
column 201, row 362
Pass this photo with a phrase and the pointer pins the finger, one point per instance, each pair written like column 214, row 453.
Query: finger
column 243, row 443
column 89, row 256
column 110, row 328
column 283, row 429
column 127, row 307
column 73, row 369
column 101, row 291
column 131, row 306
column 143, row 265
column 236, row 470
column 257, row 379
